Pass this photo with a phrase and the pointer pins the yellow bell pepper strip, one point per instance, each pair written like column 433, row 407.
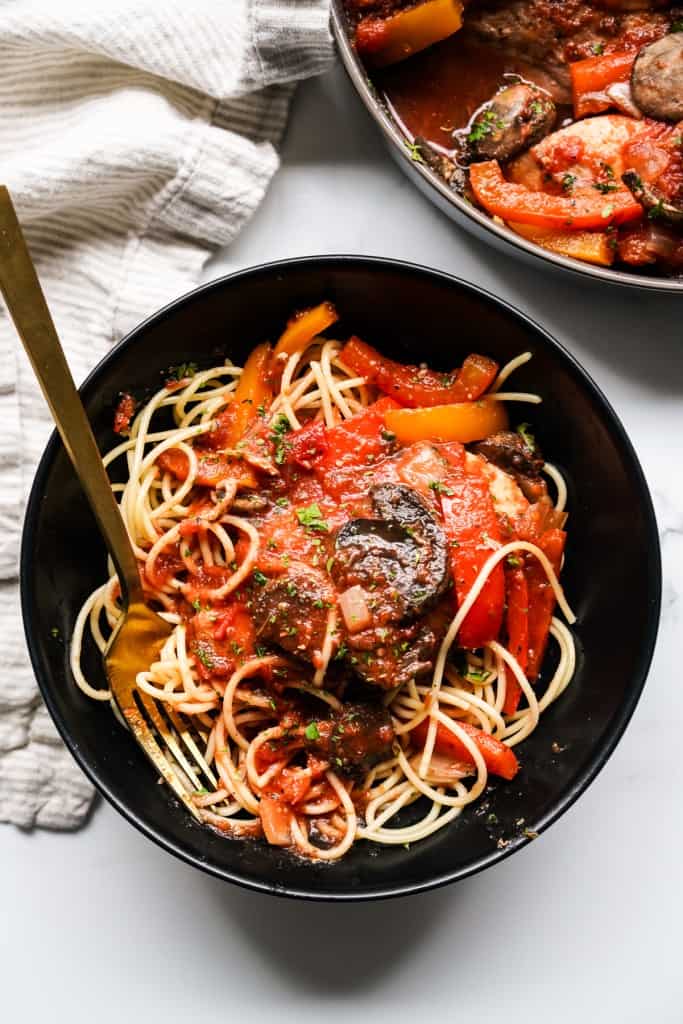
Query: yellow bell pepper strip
column 383, row 41
column 461, row 421
column 584, row 209
column 588, row 246
column 303, row 328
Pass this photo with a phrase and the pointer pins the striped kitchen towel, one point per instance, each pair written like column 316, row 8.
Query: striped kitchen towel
column 135, row 137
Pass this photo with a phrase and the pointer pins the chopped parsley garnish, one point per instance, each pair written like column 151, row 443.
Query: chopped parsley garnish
column 343, row 650
column 485, row 125
column 605, row 187
column 537, row 108
column 261, row 651
column 201, row 792
column 568, row 182
column 312, row 518
column 388, row 435
column 477, row 675
column 282, row 502
column 54, row 633
column 197, row 604
column 311, row 731
column 259, row 577
column 524, row 431
column 329, row 563
column 279, row 428
column 182, row 371
column 598, row 49
column 514, row 561
column 204, row 657
column 657, row 211
column 439, row 488
column 414, row 151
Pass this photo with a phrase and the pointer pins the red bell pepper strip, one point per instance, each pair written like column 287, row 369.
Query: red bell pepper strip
column 593, row 75
column 518, row 634
column 584, row 208
column 499, row 758
column 352, row 449
column 469, row 520
column 417, row 387
column 541, row 597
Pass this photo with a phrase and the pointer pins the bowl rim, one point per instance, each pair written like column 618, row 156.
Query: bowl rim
column 436, row 187
column 594, row 763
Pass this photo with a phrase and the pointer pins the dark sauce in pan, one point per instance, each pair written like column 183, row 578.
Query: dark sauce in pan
column 438, row 90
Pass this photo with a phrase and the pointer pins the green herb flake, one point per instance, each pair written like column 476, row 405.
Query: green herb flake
column 204, row 657
column 183, row 371
column 477, row 675
column 282, row 502
column 54, row 633
column 524, row 431
column 197, row 604
column 657, row 211
column 598, row 49
column 259, row 577
column 492, row 819
column 605, row 187
column 311, row 517
column 201, row 792
column 513, row 561
column 279, row 429
column 568, row 182
column 311, row 731
column 329, row 563
column 414, row 151
column 439, row 488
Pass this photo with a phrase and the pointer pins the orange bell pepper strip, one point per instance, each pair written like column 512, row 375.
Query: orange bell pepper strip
column 593, row 75
column 470, row 521
column 212, row 468
column 382, row 41
column 542, row 598
column 462, row 421
column 499, row 758
column 589, row 246
column 584, row 209
column 416, row 386
column 517, row 621
column 254, row 391
column 303, row 328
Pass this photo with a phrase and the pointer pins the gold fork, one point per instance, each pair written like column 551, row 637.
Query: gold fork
column 171, row 744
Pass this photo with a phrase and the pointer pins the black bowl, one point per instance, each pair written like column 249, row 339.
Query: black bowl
column 612, row 572
column 456, row 207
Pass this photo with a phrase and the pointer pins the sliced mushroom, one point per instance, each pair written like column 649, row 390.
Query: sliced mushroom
column 512, row 453
column 657, row 78
column 399, row 559
column 657, row 206
column 517, row 117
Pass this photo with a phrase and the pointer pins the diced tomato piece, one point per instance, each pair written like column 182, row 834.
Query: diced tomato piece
column 211, row 470
column 291, row 785
column 306, row 445
column 416, row 387
column 499, row 758
column 541, row 597
column 470, row 521
column 221, row 641
column 125, row 411
column 518, row 634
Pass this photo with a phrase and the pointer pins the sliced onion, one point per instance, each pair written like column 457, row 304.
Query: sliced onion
column 355, row 609
column 444, row 770
column 621, row 96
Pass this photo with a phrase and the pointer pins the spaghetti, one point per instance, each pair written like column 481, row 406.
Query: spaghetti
column 343, row 641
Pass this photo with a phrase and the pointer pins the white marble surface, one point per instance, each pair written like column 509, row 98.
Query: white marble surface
column 583, row 924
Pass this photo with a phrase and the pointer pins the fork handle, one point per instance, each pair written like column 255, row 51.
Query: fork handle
column 26, row 303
